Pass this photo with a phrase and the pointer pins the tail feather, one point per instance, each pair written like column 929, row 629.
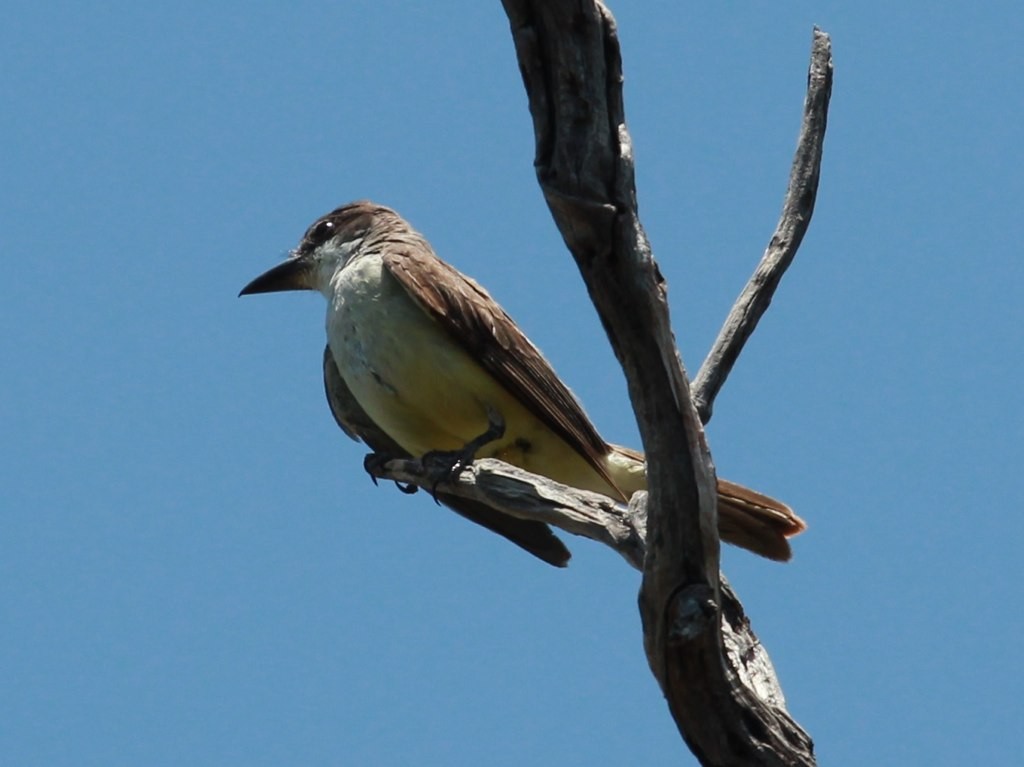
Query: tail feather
column 745, row 518
column 756, row 522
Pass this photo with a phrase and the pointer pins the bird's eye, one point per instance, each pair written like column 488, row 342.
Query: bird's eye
column 321, row 232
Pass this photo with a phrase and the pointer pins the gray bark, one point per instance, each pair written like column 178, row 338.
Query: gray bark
column 571, row 65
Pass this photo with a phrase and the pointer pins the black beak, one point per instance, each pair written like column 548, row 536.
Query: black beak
column 294, row 274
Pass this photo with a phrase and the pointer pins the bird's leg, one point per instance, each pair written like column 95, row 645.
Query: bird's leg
column 373, row 462
column 447, row 465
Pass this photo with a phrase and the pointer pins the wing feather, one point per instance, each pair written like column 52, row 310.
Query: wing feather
column 476, row 322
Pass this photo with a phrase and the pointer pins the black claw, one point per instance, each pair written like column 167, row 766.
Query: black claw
column 442, row 465
column 447, row 465
column 374, row 462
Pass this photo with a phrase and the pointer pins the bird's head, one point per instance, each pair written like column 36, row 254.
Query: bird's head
column 326, row 247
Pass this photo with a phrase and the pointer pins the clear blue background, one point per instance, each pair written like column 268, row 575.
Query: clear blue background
column 194, row 568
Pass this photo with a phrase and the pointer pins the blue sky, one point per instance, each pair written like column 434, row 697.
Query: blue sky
column 194, row 568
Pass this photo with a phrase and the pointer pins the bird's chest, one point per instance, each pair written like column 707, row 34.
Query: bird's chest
column 364, row 320
column 401, row 366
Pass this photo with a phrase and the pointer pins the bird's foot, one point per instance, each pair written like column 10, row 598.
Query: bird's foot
column 374, row 462
column 447, row 465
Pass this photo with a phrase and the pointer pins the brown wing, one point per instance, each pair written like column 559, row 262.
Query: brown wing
column 534, row 537
column 477, row 323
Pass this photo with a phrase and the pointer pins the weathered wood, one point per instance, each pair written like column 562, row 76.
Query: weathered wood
column 569, row 57
column 797, row 209
column 518, row 493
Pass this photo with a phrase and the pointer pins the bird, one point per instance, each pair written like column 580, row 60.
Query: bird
column 421, row 360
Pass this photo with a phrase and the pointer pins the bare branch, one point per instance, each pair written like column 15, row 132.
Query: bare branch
column 512, row 491
column 570, row 61
column 797, row 209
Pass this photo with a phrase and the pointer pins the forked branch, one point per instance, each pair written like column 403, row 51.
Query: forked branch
column 571, row 65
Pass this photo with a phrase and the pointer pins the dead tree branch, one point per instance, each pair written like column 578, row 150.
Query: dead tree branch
column 797, row 209
column 513, row 491
column 569, row 58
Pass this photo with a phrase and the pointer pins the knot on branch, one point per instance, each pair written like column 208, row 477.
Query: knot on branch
column 692, row 613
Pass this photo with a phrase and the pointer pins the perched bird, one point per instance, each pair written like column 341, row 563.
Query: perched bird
column 421, row 359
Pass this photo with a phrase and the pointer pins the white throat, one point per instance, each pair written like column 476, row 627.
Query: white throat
column 333, row 259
